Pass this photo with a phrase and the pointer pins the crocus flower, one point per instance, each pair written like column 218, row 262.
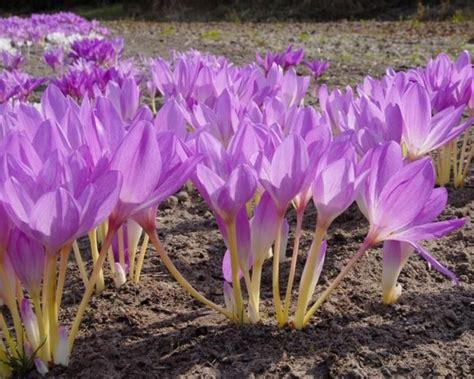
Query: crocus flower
column 27, row 256
column 334, row 189
column 53, row 211
column 61, row 353
column 400, row 203
column 284, row 174
column 227, row 196
column 125, row 97
column 376, row 124
column 101, row 51
column 172, row 117
column 17, row 85
column 54, row 58
column 447, row 82
column 263, row 228
column 11, row 61
column 287, row 59
column 338, row 107
column 423, row 133
column 317, row 67
column 164, row 159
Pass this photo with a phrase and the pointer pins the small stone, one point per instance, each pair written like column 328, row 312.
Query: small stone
column 171, row 202
column 182, row 196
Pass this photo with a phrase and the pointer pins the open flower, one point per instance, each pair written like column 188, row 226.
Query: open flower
column 401, row 205
column 422, row 132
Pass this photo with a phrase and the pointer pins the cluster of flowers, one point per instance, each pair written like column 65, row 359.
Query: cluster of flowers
column 89, row 66
column 96, row 162
column 441, row 93
column 15, row 83
column 40, row 28
column 264, row 150
column 18, row 33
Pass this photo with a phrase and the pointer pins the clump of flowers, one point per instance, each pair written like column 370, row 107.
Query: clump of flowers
column 103, row 52
column 91, row 161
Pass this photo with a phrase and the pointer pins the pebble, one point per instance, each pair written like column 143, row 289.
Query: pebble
column 182, row 196
column 171, row 202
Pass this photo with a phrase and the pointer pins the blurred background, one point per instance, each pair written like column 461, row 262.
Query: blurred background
column 252, row 10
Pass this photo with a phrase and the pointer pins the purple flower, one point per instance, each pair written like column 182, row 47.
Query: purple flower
column 50, row 187
column 338, row 106
column 11, row 61
column 283, row 175
column 226, row 196
column 289, row 58
column 334, row 189
column 31, row 324
column 54, row 58
column 88, row 79
column 17, row 85
column 422, row 132
column 400, row 203
column 448, row 83
column 166, row 162
column 317, row 67
column 27, row 256
column 376, row 124
column 101, row 51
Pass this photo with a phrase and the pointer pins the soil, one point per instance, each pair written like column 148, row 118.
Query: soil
column 154, row 329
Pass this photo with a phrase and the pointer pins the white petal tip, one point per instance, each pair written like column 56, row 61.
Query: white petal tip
column 120, row 277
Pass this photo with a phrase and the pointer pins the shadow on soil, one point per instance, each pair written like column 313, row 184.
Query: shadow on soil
column 178, row 343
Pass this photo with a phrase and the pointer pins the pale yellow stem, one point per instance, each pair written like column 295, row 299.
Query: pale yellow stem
column 44, row 351
column 455, row 161
column 141, row 258
column 90, row 288
column 111, row 260
column 80, row 263
column 248, row 285
column 438, row 168
column 276, row 274
column 234, row 261
column 11, row 303
column 121, row 247
column 305, row 289
column 256, row 283
column 49, row 299
column 19, row 292
column 64, row 257
column 294, row 259
column 8, row 338
column 5, row 370
column 181, row 280
column 365, row 246
column 95, row 255
column 132, row 253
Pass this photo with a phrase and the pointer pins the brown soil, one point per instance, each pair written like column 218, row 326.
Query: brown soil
column 155, row 330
